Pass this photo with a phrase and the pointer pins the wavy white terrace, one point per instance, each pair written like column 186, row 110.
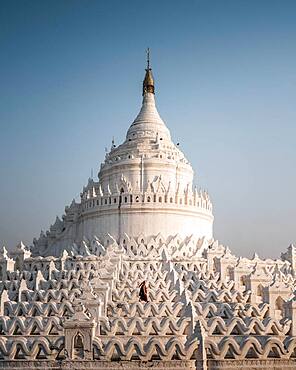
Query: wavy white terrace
column 72, row 298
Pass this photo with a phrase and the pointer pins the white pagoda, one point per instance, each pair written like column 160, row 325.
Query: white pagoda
column 71, row 300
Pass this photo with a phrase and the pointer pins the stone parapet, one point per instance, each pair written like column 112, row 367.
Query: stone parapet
column 97, row 365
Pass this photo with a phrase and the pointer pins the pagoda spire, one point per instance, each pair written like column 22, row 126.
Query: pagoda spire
column 148, row 58
column 148, row 83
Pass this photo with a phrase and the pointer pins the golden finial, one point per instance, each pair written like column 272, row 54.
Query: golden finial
column 148, row 83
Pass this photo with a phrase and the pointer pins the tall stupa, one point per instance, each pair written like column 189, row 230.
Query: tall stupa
column 131, row 277
column 145, row 186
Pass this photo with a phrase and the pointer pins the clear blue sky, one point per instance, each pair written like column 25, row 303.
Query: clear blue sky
column 70, row 79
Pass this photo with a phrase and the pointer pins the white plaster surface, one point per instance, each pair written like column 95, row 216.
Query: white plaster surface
column 72, row 299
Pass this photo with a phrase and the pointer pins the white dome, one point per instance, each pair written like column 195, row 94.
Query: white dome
column 145, row 186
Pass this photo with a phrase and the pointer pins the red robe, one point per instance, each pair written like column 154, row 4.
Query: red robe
column 143, row 293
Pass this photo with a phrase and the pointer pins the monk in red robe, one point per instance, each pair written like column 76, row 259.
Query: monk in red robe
column 143, row 294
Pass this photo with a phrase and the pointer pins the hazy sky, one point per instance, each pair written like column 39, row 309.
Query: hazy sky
column 225, row 71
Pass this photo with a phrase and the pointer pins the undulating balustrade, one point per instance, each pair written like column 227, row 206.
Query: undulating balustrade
column 188, row 306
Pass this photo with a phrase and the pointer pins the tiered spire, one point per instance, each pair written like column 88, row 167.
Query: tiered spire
column 148, row 83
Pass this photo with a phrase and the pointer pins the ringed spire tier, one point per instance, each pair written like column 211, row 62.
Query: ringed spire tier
column 144, row 186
